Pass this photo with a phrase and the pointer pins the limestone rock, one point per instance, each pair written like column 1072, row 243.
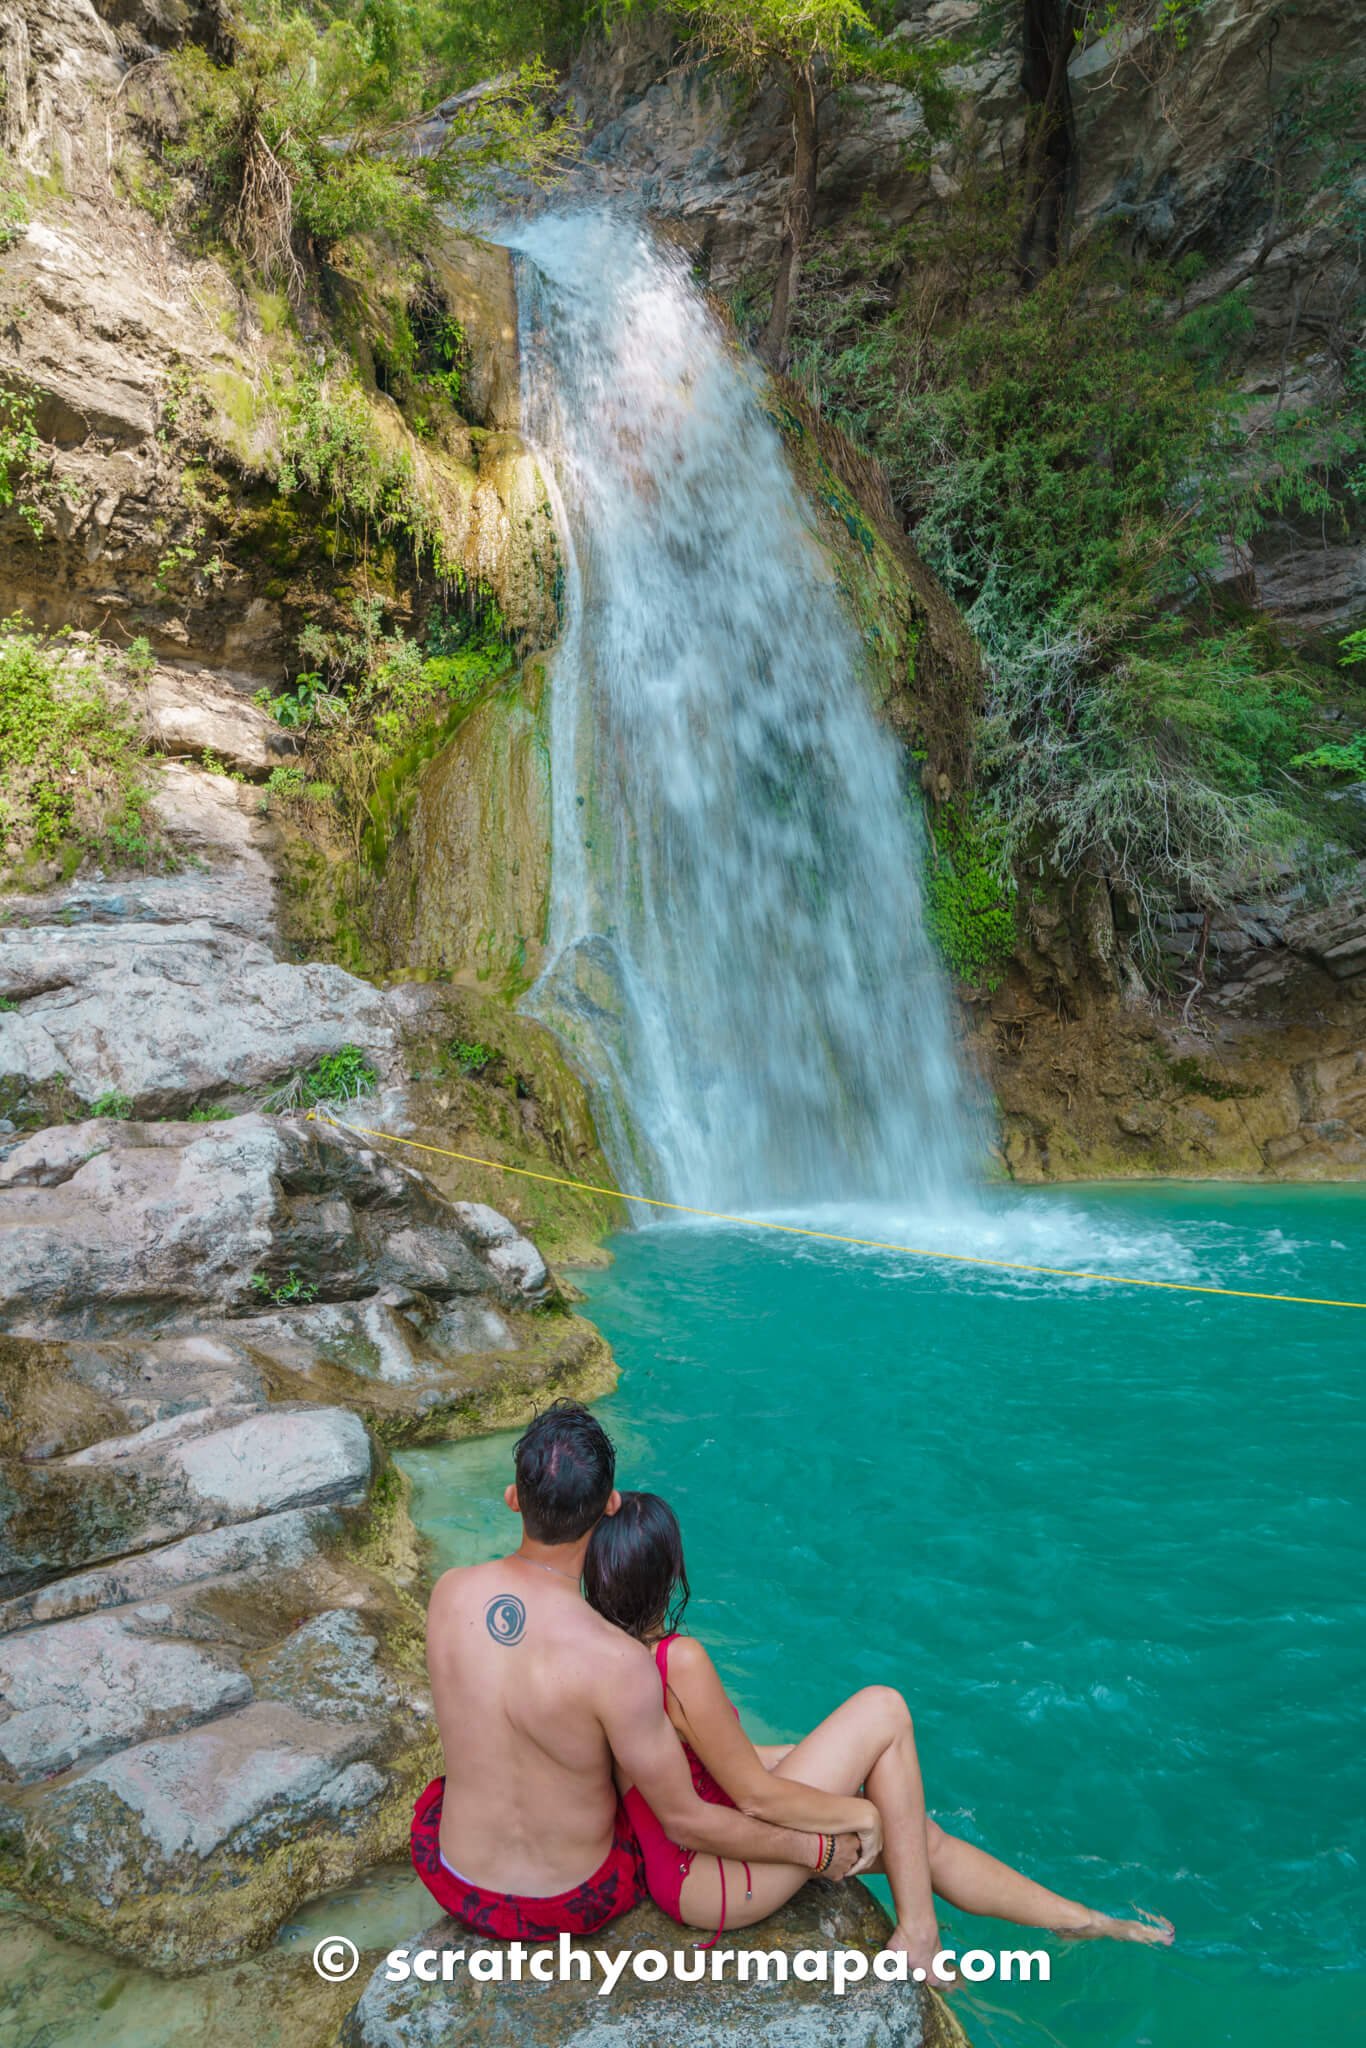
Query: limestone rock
column 636, row 2014
column 254, row 1809
column 121, row 1225
column 476, row 279
column 82, row 1688
column 190, row 1473
column 262, row 1549
column 467, row 874
column 198, row 712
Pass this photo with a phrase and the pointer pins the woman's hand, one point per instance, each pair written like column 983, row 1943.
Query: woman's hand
column 869, row 1839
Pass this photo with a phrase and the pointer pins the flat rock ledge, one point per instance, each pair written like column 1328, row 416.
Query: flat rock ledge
column 190, row 1262
column 670, row 2013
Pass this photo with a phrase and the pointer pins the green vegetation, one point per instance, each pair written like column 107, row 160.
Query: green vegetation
column 209, row 1113
column 812, row 48
column 341, row 1076
column 297, row 145
column 20, row 456
column 14, row 213
column 1072, row 459
column 373, row 700
column 73, row 765
column 970, row 894
column 472, row 1056
column 293, row 1288
column 114, row 1104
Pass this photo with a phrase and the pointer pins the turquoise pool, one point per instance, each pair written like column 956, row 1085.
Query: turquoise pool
column 1108, row 1542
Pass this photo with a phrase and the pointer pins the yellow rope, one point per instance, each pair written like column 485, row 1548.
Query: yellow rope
column 876, row 1244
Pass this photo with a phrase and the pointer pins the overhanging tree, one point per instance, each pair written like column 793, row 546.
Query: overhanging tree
column 812, row 47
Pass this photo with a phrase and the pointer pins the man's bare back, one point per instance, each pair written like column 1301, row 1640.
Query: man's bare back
column 518, row 1662
column 537, row 1699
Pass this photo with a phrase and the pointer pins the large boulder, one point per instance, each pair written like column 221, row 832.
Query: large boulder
column 769, row 2009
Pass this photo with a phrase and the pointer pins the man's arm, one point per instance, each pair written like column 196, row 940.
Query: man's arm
column 650, row 1756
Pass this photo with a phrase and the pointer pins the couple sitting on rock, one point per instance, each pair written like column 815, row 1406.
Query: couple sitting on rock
column 586, row 1735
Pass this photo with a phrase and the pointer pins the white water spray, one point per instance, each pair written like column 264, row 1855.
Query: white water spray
column 738, row 953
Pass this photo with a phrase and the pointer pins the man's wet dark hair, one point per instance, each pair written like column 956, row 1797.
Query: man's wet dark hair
column 634, row 1573
column 566, row 1466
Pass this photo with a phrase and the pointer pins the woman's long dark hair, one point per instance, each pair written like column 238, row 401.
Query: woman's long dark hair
column 634, row 1573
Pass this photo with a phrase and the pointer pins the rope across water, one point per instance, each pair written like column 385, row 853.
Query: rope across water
column 833, row 1236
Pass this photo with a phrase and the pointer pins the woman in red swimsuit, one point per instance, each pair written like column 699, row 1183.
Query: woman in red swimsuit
column 634, row 1576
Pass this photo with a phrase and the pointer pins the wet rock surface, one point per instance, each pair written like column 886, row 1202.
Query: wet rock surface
column 637, row 2014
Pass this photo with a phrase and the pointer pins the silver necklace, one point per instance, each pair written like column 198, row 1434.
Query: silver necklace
column 554, row 1569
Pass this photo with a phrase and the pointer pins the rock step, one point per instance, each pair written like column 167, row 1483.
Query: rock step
column 260, row 1548
column 111, row 1226
column 177, row 1477
column 759, row 2013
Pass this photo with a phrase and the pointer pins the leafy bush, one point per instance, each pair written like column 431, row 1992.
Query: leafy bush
column 333, row 450
column 297, row 143
column 374, row 695
column 209, row 1113
column 73, row 765
column 20, row 456
column 472, row 1056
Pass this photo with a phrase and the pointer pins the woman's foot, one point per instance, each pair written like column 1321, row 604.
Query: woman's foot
column 1089, row 1926
column 921, row 1945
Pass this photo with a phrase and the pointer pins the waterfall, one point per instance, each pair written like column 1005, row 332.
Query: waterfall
column 738, row 954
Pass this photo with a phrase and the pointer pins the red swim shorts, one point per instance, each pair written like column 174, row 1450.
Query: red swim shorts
column 613, row 1889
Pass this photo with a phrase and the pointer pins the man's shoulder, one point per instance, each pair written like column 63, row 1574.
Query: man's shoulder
column 461, row 1583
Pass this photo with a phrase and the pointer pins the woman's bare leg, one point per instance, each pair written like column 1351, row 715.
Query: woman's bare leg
column 978, row 1883
column 870, row 1730
column 869, row 1744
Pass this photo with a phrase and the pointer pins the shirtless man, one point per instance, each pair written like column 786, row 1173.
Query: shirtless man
column 536, row 1695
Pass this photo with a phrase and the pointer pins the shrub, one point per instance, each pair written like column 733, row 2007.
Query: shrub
column 20, row 456
column 471, row 1056
column 1071, row 461
column 73, row 765
column 296, row 145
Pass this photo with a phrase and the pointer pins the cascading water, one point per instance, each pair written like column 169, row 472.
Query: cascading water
column 738, row 951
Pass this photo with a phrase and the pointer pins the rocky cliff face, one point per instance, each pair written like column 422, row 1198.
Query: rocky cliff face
column 1177, row 157
column 159, row 383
